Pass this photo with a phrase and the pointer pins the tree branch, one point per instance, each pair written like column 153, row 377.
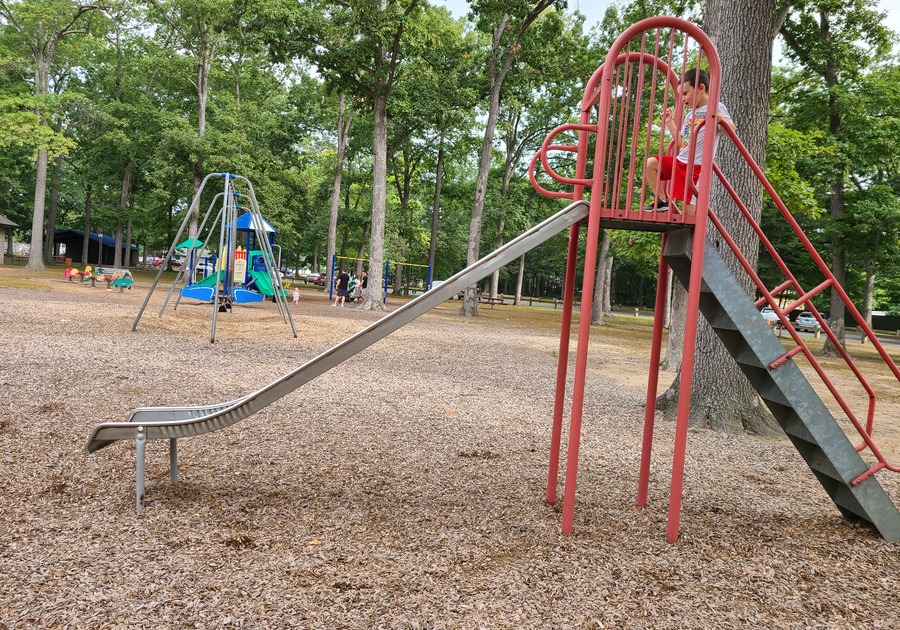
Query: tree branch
column 81, row 11
column 395, row 46
column 798, row 50
column 10, row 15
column 539, row 8
column 184, row 38
column 781, row 15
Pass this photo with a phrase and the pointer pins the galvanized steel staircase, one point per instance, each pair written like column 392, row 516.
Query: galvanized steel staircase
column 785, row 390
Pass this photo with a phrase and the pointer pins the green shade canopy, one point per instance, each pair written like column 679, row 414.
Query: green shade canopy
column 191, row 243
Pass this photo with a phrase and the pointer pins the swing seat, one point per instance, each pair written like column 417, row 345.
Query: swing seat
column 246, row 296
column 202, row 294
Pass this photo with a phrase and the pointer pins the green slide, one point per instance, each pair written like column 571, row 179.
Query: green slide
column 263, row 284
column 209, row 281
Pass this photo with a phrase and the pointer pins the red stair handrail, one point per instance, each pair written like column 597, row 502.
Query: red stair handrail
column 805, row 298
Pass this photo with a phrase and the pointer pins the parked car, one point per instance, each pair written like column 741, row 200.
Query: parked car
column 316, row 278
column 769, row 315
column 807, row 321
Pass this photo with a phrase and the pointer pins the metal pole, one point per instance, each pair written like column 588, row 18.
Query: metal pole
column 223, row 259
column 562, row 365
column 169, row 253
column 141, row 443
column 173, row 459
column 662, row 290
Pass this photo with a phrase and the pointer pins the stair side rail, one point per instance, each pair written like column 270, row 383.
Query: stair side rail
column 770, row 297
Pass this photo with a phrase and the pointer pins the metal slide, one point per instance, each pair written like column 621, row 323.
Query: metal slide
column 153, row 423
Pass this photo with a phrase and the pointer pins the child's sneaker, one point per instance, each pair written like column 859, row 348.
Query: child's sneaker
column 658, row 205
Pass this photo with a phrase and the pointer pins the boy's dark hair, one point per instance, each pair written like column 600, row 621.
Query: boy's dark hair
column 696, row 77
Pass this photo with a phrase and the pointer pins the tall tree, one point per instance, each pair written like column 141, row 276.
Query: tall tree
column 836, row 41
column 344, row 121
column 199, row 27
column 42, row 26
column 743, row 34
column 360, row 46
column 507, row 21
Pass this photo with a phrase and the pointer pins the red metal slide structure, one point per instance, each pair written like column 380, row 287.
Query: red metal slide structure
column 614, row 135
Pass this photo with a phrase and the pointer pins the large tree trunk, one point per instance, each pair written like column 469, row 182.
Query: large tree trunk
column 608, row 283
column 204, row 64
column 868, row 296
column 123, row 207
column 379, row 205
column 835, row 124
column 129, row 262
column 520, row 277
column 601, row 288
column 342, row 131
column 470, row 302
column 721, row 396
column 675, row 342
column 85, row 243
column 436, row 206
column 53, row 213
column 495, row 277
column 35, row 255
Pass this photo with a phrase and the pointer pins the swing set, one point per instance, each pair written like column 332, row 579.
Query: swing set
column 406, row 276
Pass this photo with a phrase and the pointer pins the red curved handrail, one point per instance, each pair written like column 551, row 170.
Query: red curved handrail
column 547, row 193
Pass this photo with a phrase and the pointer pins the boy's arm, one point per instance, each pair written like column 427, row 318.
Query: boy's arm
column 668, row 119
column 725, row 117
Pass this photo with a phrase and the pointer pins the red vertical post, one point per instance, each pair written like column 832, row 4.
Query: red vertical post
column 562, row 364
column 581, row 354
column 662, row 288
column 604, row 79
column 696, row 278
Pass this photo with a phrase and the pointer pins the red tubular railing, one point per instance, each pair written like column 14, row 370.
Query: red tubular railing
column 830, row 281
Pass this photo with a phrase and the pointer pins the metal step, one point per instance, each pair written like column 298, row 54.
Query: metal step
column 787, row 393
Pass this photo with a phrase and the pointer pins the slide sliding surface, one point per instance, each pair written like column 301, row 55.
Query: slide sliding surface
column 176, row 422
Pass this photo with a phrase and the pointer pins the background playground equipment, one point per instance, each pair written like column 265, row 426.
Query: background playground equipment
column 86, row 276
column 412, row 277
column 614, row 94
column 115, row 278
column 238, row 272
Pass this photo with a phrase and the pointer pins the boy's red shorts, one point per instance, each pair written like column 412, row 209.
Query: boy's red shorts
column 668, row 164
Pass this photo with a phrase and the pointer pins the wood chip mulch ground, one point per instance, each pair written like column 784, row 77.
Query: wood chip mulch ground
column 403, row 489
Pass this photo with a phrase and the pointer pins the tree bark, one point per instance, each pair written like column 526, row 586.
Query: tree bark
column 520, row 277
column 128, row 232
column 53, row 212
column 436, row 206
column 495, row 277
column 85, row 243
column 600, row 286
column 608, row 284
column 372, row 300
column 123, row 207
column 343, row 129
column 868, row 296
column 35, row 254
column 838, row 262
column 721, row 396
column 675, row 342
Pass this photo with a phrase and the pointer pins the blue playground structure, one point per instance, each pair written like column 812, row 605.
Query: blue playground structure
column 241, row 270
